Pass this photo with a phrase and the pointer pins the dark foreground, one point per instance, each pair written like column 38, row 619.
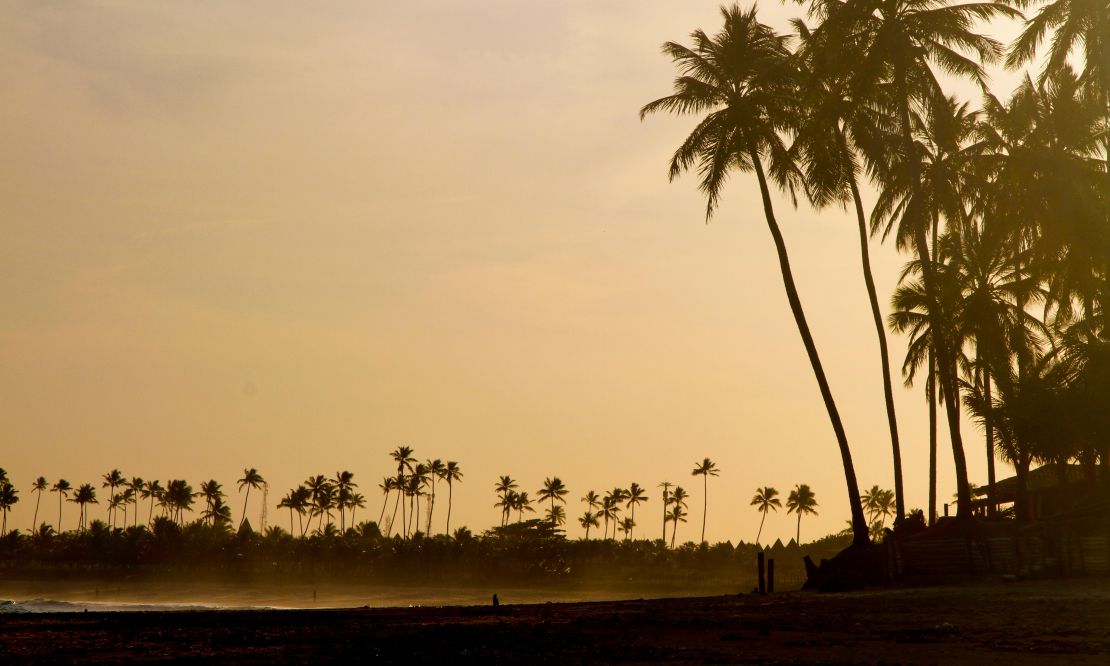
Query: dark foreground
column 1042, row 622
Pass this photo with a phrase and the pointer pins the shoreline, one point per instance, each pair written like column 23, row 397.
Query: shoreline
column 1041, row 621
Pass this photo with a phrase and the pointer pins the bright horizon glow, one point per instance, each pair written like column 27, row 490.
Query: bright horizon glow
column 263, row 235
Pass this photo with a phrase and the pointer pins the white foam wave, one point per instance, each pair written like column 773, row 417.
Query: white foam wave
column 58, row 606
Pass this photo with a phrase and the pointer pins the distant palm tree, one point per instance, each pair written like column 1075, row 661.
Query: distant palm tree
column 451, row 473
column 870, row 500
column 666, row 486
column 344, row 484
column 251, row 479
column 355, row 501
column 588, row 520
column 553, row 491
column 436, row 470
column 402, row 455
column 677, row 512
column 504, row 487
column 801, row 501
column 136, row 486
column 112, row 480
column 556, row 515
column 706, row 468
column 626, row 526
column 387, row 486
column 62, row 487
column 212, row 492
column 38, row 486
column 152, row 490
column 317, row 485
column 610, row 509
column 635, row 495
column 8, row 497
column 84, row 496
column 522, row 503
column 765, row 500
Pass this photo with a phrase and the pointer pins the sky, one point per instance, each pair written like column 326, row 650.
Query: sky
column 294, row 236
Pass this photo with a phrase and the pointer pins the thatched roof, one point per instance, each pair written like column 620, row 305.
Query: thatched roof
column 1040, row 479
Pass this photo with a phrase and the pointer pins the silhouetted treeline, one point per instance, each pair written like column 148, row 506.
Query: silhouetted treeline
column 530, row 552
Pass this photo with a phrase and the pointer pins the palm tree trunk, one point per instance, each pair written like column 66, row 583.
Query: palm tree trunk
column 291, row 521
column 931, row 388
column 664, row 523
column 884, row 355
column 946, row 361
column 59, row 513
column 245, row 498
column 760, row 532
column 393, row 518
column 385, row 503
column 450, row 492
column 704, row 503
column 674, row 531
column 992, row 508
column 859, row 525
column 150, row 515
column 35, row 520
column 798, row 535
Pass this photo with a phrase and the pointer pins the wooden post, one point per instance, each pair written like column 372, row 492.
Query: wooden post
column 770, row 575
column 759, row 567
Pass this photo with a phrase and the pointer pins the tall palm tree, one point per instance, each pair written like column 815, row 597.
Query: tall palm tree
column 8, row 497
column 136, row 486
column 436, row 470
column 62, row 487
column 610, row 510
column 666, row 486
column 386, row 486
column 402, row 455
column 451, row 473
column 344, row 486
column 889, row 46
column 504, row 486
column 152, row 490
column 803, row 501
column 82, row 497
column 112, row 480
column 678, row 511
column 746, row 81
column 556, row 515
column 706, row 468
column 522, row 503
column 765, row 500
column 553, row 491
column 871, row 500
column 830, row 141
column 212, row 492
column 38, row 486
column 635, row 495
column 251, row 479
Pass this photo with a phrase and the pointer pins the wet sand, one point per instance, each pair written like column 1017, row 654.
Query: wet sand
column 1027, row 622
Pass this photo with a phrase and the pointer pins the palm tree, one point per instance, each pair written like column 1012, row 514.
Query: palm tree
column 626, row 526
column 344, row 485
column 553, row 491
column 706, row 468
column 355, row 501
column 889, row 46
column 62, row 487
column 451, row 473
column 765, row 500
column 38, row 486
column 522, row 503
column 178, row 497
column 504, row 486
column 633, row 496
column 136, row 487
column 112, row 480
column 610, row 509
column 588, row 520
column 251, row 479
column 436, row 469
column 8, row 497
column 386, row 486
column 870, row 501
column 556, row 515
column 212, row 492
column 152, row 490
column 745, row 79
column 678, row 511
column 402, row 455
column 84, row 496
column 802, row 501
column 666, row 486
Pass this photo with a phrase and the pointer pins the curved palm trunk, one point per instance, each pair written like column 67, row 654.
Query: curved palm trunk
column 59, row 513
column 633, row 522
column 992, row 508
column 150, row 515
column 859, row 525
column 35, row 520
column 664, row 523
column 760, row 532
column 385, row 503
column 393, row 518
column 945, row 355
column 884, row 355
column 674, row 531
column 798, row 534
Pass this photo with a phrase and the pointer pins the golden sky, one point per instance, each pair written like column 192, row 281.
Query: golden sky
column 293, row 236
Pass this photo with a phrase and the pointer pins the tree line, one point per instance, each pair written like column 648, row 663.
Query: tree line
column 1003, row 206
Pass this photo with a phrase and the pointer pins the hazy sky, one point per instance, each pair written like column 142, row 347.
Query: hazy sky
column 293, row 236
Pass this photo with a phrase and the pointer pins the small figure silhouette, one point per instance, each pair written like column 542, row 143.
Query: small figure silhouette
column 496, row 601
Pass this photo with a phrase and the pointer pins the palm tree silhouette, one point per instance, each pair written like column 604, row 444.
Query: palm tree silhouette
column 387, row 486
column 62, row 487
column 678, row 510
column 626, row 526
column 402, row 455
column 706, row 468
column 803, row 501
column 556, row 515
column 553, row 491
column 666, row 486
column 136, row 487
column 451, row 474
column 747, row 82
column 251, row 479
column 8, row 497
column 588, row 520
column 436, row 469
column 897, row 40
column 344, row 485
column 38, row 486
column 504, row 487
column 152, row 490
column 765, row 500
column 84, row 496
column 112, row 480
column 634, row 495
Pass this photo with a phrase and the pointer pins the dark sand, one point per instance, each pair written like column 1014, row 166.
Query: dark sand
column 1065, row 622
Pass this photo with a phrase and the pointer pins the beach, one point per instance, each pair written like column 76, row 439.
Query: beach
column 1021, row 622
